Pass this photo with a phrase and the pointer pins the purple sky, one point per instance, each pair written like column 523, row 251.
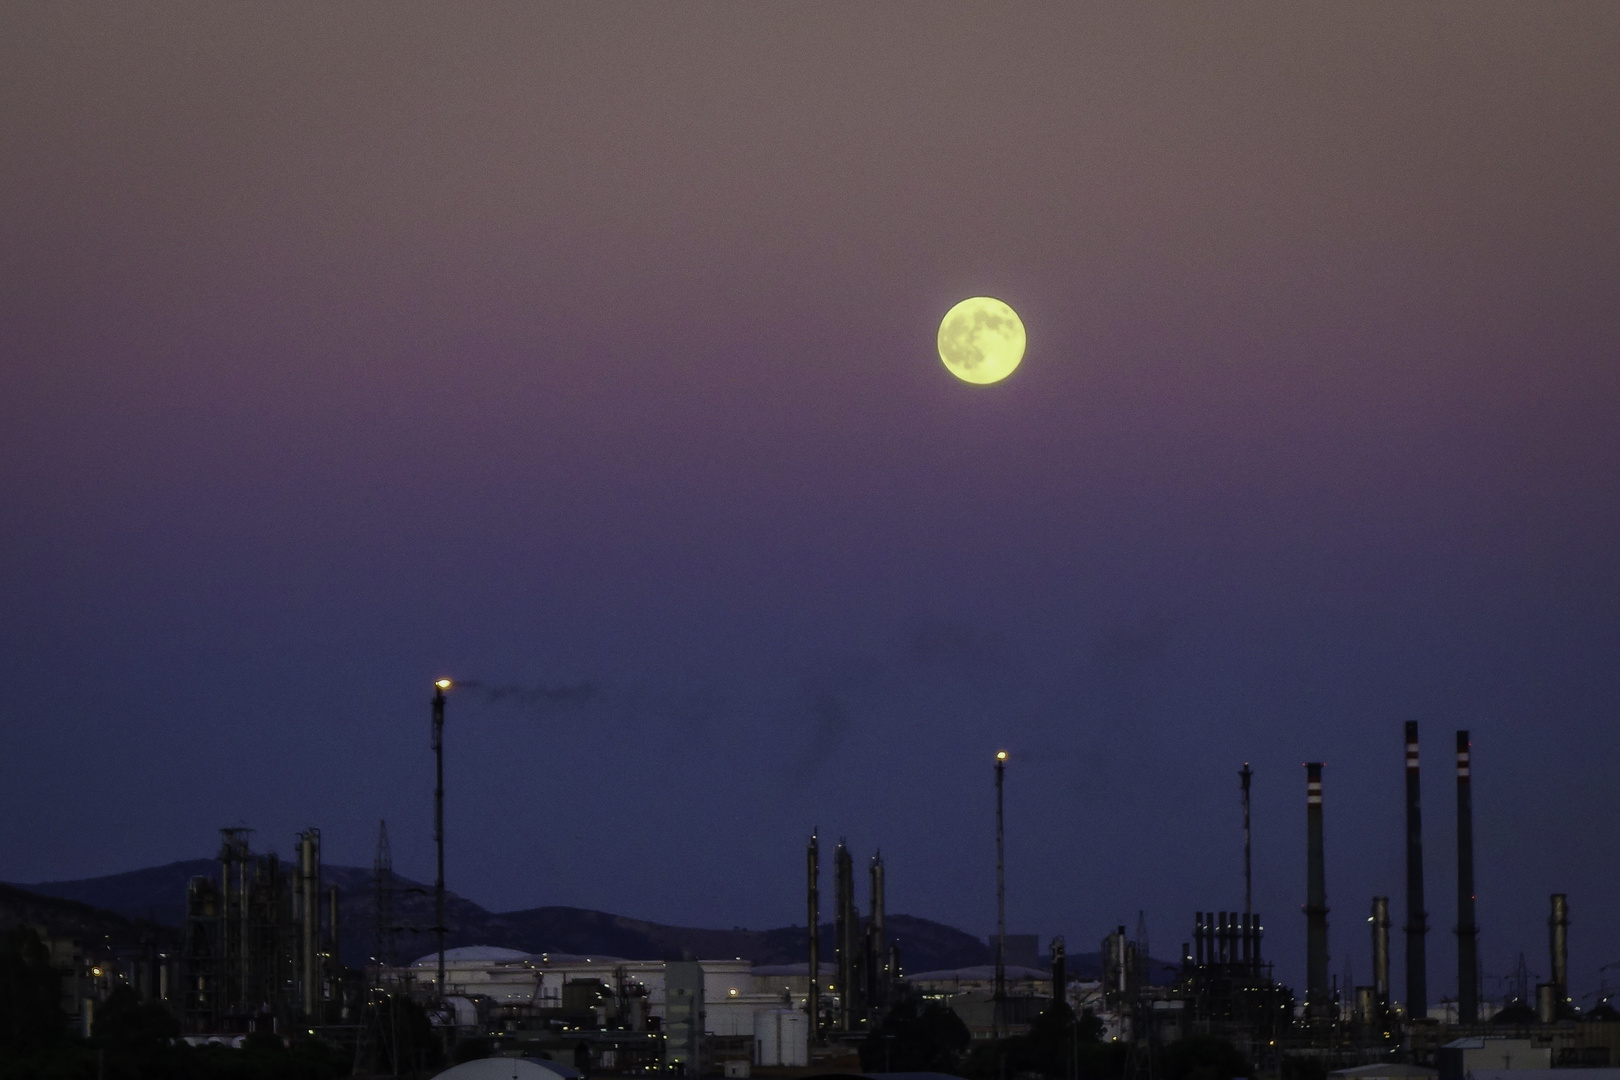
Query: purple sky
column 591, row 348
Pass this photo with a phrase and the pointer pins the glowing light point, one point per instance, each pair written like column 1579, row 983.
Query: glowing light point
column 1001, row 755
column 443, row 684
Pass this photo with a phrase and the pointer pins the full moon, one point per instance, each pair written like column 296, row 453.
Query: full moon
column 981, row 340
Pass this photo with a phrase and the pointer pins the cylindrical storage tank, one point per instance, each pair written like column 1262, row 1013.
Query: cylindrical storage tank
column 781, row 1038
column 1546, row 1003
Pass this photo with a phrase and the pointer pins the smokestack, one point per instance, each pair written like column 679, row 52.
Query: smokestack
column 877, row 950
column 844, row 933
column 1467, row 932
column 309, row 884
column 1316, row 909
column 1380, row 948
column 1558, row 940
column 1244, row 775
column 813, row 1001
column 1417, row 919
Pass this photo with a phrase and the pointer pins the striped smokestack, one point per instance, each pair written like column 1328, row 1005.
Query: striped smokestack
column 1467, row 932
column 1316, row 909
column 1417, row 919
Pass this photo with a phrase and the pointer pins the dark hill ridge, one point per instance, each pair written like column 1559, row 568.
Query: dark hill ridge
column 158, row 894
column 92, row 926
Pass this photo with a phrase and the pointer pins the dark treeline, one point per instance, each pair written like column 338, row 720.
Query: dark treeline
column 922, row 1036
column 140, row 1040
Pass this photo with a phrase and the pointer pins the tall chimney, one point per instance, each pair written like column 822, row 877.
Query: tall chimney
column 1316, row 909
column 813, row 898
column 1379, row 921
column 1245, row 774
column 1417, row 919
column 877, row 945
column 309, row 883
column 844, row 933
column 1467, row 932
column 1558, row 940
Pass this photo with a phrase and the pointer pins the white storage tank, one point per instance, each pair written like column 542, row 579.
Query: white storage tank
column 781, row 1037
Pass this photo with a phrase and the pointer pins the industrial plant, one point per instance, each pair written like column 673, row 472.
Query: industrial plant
column 260, row 953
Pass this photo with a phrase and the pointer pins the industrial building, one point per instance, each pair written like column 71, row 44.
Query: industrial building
column 626, row 1013
column 259, row 952
column 261, row 944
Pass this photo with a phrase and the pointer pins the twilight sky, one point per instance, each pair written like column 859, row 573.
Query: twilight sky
column 588, row 350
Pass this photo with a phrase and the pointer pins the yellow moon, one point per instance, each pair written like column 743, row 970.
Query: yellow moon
column 981, row 340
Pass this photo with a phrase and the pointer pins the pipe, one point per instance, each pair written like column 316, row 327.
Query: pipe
column 1417, row 919
column 1467, row 931
column 813, row 898
column 1380, row 948
column 1316, row 909
column 1558, row 942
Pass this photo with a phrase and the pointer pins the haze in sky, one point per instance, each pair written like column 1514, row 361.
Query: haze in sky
column 587, row 353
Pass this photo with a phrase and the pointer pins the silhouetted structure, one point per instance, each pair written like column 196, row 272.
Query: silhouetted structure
column 257, row 952
column 845, row 937
column 876, row 960
column 999, row 1009
column 382, row 884
column 813, row 902
column 1467, row 932
column 1558, row 948
column 1317, row 1003
column 439, row 927
column 1417, row 918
